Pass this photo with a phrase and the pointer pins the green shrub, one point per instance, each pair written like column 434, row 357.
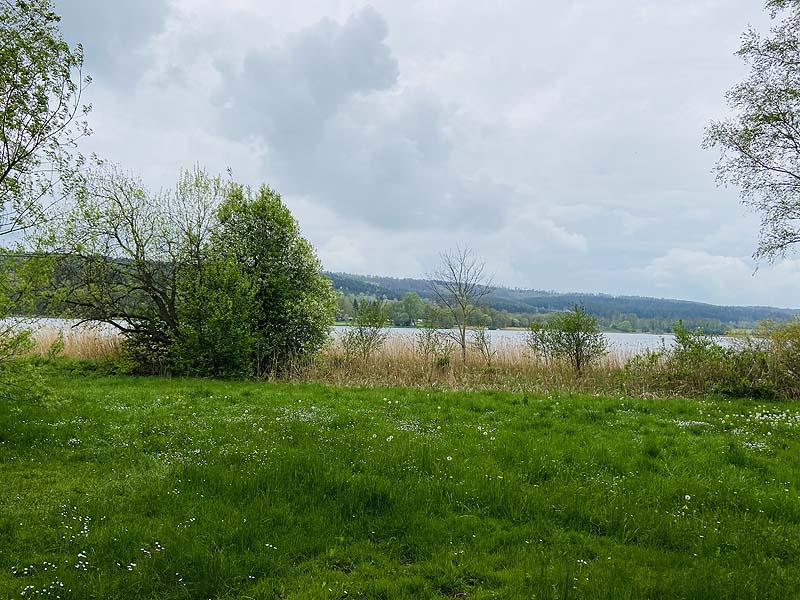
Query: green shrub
column 573, row 336
column 215, row 338
column 293, row 303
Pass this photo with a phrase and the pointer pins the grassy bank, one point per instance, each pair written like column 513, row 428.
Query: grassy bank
column 696, row 367
column 153, row 488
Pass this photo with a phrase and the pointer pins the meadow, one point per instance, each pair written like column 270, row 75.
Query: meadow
column 129, row 487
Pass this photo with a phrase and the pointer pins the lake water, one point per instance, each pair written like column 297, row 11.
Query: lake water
column 622, row 343
column 625, row 343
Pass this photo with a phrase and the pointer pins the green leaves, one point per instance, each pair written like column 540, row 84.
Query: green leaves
column 294, row 303
column 41, row 114
column 760, row 145
column 573, row 336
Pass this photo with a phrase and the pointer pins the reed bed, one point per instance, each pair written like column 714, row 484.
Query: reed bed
column 512, row 368
column 740, row 370
column 85, row 343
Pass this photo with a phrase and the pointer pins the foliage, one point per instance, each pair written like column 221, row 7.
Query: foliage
column 19, row 280
column 414, row 307
column 783, row 345
column 206, row 279
column 368, row 334
column 42, row 115
column 505, row 307
column 752, row 366
column 435, row 347
column 572, row 336
column 293, row 302
column 120, row 250
column 214, row 309
column 760, row 146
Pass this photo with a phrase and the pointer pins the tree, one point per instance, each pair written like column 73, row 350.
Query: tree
column 413, row 306
column 207, row 279
column 760, row 146
column 368, row 332
column 214, row 308
column 120, row 251
column 573, row 335
column 459, row 284
column 41, row 115
column 294, row 303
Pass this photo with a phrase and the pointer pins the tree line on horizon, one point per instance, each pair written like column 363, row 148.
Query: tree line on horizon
column 214, row 278
column 504, row 308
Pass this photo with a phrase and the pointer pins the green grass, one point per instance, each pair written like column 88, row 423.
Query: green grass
column 151, row 488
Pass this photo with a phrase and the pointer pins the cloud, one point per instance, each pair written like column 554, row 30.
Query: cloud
column 723, row 279
column 562, row 142
column 114, row 35
column 339, row 127
column 287, row 93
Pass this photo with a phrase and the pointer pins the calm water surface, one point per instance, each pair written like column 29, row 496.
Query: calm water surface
column 621, row 342
column 626, row 343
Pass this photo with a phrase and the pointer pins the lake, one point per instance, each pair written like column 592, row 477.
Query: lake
column 622, row 343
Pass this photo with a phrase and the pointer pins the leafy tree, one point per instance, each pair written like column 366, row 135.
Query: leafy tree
column 413, row 306
column 573, row 336
column 294, row 303
column 760, row 146
column 345, row 307
column 207, row 279
column 459, row 284
column 214, row 308
column 16, row 282
column 41, row 115
column 120, row 251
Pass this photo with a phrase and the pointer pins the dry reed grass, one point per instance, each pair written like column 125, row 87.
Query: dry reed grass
column 511, row 368
column 399, row 363
column 85, row 343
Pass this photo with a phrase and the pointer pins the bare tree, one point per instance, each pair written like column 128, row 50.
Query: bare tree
column 459, row 284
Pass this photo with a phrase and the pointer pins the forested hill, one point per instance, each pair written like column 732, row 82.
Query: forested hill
column 606, row 307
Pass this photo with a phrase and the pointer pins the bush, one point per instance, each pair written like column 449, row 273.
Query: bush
column 698, row 364
column 368, row 334
column 215, row 314
column 784, row 347
column 208, row 279
column 293, row 303
column 573, row 336
column 435, row 347
column 482, row 344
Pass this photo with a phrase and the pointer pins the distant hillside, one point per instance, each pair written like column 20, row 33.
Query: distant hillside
column 603, row 306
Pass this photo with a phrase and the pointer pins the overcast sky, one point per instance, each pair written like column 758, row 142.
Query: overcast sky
column 561, row 140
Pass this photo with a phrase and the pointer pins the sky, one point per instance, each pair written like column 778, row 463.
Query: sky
column 559, row 140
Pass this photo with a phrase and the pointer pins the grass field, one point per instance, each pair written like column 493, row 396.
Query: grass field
column 115, row 487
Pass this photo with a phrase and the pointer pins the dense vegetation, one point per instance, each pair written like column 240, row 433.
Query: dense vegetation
column 116, row 486
column 154, row 488
column 210, row 278
column 505, row 307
